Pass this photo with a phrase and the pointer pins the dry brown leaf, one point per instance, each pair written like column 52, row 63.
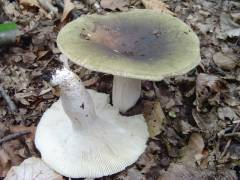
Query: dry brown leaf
column 157, row 5
column 182, row 172
column 5, row 162
column 225, row 62
column 208, row 90
column 229, row 28
column 30, row 3
column 185, row 168
column 68, row 7
column 28, row 139
column 155, row 117
column 90, row 82
column 9, row 156
column 20, row 128
column 192, row 150
column 207, row 122
column 113, row 5
column 32, row 168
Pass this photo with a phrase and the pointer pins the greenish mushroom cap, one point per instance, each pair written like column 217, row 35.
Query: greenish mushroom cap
column 140, row 44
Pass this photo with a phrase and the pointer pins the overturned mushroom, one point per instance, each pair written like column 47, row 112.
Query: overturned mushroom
column 133, row 46
column 82, row 135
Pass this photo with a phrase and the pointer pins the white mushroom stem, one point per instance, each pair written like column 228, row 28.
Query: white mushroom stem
column 125, row 93
column 76, row 101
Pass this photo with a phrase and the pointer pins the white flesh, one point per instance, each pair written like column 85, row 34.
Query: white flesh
column 93, row 141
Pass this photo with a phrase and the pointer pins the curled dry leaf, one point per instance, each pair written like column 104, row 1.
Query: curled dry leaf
column 208, row 90
column 68, row 7
column 157, row 5
column 229, row 28
column 154, row 116
column 32, row 168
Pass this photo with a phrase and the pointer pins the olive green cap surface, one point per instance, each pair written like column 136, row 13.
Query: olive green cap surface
column 142, row 44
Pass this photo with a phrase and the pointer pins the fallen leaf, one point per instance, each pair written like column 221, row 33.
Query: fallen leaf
column 32, row 168
column 90, row 82
column 19, row 128
column 157, row 5
column 186, row 128
column 148, row 160
column 195, row 147
column 68, row 7
column 208, row 90
column 155, row 117
column 185, row 167
column 227, row 113
column 30, row 3
column 229, row 28
column 9, row 156
column 223, row 61
column 207, row 122
column 5, row 163
column 113, row 5
column 3, row 130
column 10, row 9
column 182, row 172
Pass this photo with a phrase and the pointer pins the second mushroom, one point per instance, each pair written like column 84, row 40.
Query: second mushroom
column 133, row 46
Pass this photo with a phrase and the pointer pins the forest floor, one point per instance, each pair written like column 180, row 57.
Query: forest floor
column 198, row 122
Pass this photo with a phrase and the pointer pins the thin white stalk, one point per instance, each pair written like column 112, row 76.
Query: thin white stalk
column 76, row 101
column 125, row 93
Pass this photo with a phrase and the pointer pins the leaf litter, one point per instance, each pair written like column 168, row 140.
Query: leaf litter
column 194, row 129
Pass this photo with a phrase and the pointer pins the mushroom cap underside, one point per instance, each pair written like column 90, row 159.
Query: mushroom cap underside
column 142, row 44
column 109, row 146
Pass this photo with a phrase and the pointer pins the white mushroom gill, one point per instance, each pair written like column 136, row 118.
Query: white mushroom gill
column 82, row 135
column 125, row 93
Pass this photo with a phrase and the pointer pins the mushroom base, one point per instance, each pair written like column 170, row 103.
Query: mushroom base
column 112, row 143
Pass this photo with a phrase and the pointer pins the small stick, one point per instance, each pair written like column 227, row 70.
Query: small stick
column 10, row 103
column 13, row 136
column 236, row 134
column 156, row 90
column 229, row 142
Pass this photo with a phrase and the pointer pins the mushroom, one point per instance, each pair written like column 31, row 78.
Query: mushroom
column 82, row 135
column 133, row 46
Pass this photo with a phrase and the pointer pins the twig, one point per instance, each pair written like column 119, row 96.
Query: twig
column 229, row 142
column 236, row 134
column 13, row 136
column 10, row 103
column 156, row 90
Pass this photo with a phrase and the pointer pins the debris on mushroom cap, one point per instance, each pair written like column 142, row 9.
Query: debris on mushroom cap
column 76, row 141
column 141, row 44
